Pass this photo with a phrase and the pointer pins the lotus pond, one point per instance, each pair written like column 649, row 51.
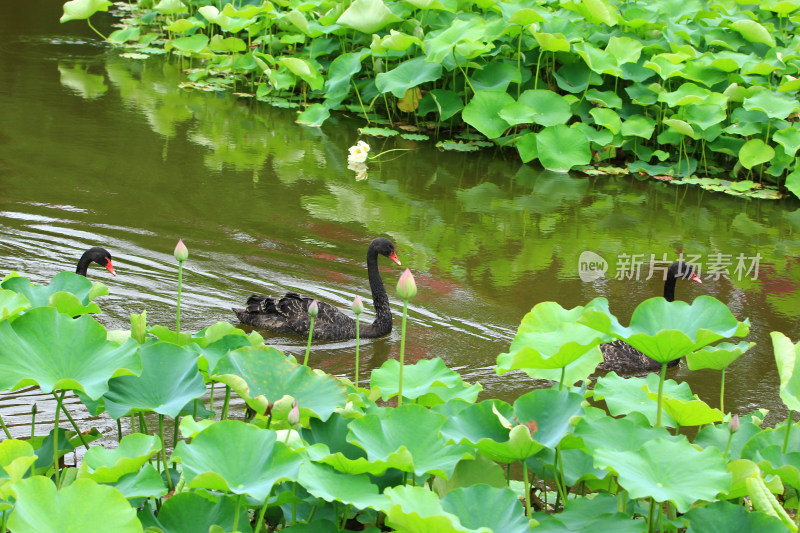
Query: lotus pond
column 99, row 149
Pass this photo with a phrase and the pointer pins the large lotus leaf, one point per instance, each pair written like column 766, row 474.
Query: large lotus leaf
column 629, row 395
column 483, row 506
column 693, row 412
column 236, row 457
column 755, row 152
column 481, row 426
column 769, row 437
column 220, row 330
column 83, row 9
column 576, row 464
column 322, row 481
column 12, row 303
column 192, row 512
column 144, row 483
column 717, row 357
column 787, row 362
column 82, row 507
column 598, row 515
column 483, row 112
column 407, row 75
column 16, row 458
column 664, row 330
column 340, row 72
column 367, row 16
column 549, row 336
column 305, row 70
column 418, row 509
column 331, row 433
column 106, row 466
column 668, row 470
column 46, row 348
column 754, row 32
column 428, row 382
column 727, row 516
column 469, row 472
column 259, row 371
column 407, row 438
column 717, row 435
column 549, row 108
column 169, row 380
column 562, row 148
column 551, row 410
column 772, row 460
column 68, row 292
column 619, row 434
column 211, row 354
column 439, row 44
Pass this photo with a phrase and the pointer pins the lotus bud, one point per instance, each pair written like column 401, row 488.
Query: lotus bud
column 34, row 409
column 294, row 415
column 733, row 425
column 313, row 309
column 181, row 253
column 358, row 307
column 406, row 287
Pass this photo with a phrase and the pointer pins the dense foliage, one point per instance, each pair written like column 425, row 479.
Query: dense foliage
column 674, row 89
column 323, row 455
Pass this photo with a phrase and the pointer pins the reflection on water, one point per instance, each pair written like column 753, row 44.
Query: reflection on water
column 108, row 151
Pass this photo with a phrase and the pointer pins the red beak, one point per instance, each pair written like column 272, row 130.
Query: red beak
column 393, row 257
column 110, row 268
column 696, row 278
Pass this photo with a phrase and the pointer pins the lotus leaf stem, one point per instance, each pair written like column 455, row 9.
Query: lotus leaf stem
column 89, row 22
column 224, row 415
column 33, row 421
column 236, row 516
column 59, row 399
column 308, row 346
column 211, row 398
column 71, row 421
column 358, row 342
column 722, row 392
column 178, row 307
column 5, row 429
column 402, row 353
column 175, row 434
column 788, row 431
column 261, row 513
column 560, row 481
column 164, row 450
column 133, row 425
column 661, row 392
column 651, row 517
column 527, row 485
column 119, row 430
column 143, row 424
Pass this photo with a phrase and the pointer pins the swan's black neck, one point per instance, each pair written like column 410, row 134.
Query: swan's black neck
column 83, row 265
column 676, row 270
column 380, row 300
column 669, row 287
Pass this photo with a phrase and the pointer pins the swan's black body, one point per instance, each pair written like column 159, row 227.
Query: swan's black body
column 99, row 256
column 289, row 313
column 622, row 357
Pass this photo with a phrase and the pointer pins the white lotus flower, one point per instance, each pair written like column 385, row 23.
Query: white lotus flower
column 358, row 152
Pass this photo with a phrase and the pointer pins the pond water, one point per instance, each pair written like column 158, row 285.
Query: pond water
column 101, row 150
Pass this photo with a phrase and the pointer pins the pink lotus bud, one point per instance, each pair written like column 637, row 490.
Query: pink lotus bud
column 406, row 287
column 313, row 309
column 358, row 307
column 294, row 415
column 733, row 425
column 181, row 252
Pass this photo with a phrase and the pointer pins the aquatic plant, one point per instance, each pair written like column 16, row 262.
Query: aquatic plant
column 406, row 288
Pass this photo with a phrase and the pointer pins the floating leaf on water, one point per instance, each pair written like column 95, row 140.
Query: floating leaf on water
column 378, row 132
column 456, row 146
column 134, row 55
column 414, row 137
column 470, row 136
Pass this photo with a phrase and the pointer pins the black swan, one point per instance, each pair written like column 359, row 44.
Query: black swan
column 99, row 256
column 622, row 357
column 289, row 313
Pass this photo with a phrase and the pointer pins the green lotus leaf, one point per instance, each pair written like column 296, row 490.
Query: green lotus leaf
column 562, row 148
column 446, row 103
column 227, row 44
column 68, row 292
column 715, row 516
column 624, row 49
column 705, row 115
column 170, row 7
column 639, row 126
column 619, row 434
column 314, row 115
column 600, row 61
column 16, row 458
column 189, row 427
column 793, row 181
column 192, row 512
column 469, row 472
column 106, row 466
column 693, row 412
column 773, row 461
column 755, row 152
column 81, row 507
column 753, row 32
column 235, row 457
column 341, row 71
column 481, row 426
column 667, row 330
column 83, row 9
column 82, row 359
column 598, row 514
column 195, row 43
column 144, row 483
column 604, row 98
column 482, row 506
column 687, row 93
column 183, row 25
column 717, row 435
column 169, row 380
column 255, row 371
column 304, row 70
column 717, row 357
column 552, row 42
column 775, row 105
column 789, row 138
column 631, row 395
column 668, row 470
column 552, row 411
column 769, row 437
column 367, row 16
column 419, row 509
column 211, row 354
column 495, row 76
column 550, row 108
column 407, row 438
column 439, row 45
column 322, row 481
column 12, row 303
column 407, row 75
column 428, row 382
column 483, row 112
column 607, row 118
column 601, row 11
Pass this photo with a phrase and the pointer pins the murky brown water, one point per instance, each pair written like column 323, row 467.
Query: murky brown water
column 101, row 150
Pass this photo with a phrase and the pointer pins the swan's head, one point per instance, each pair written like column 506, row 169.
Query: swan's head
column 680, row 269
column 384, row 247
column 101, row 257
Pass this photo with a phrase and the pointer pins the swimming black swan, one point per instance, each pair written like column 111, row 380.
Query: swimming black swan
column 99, row 256
column 622, row 357
column 289, row 314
